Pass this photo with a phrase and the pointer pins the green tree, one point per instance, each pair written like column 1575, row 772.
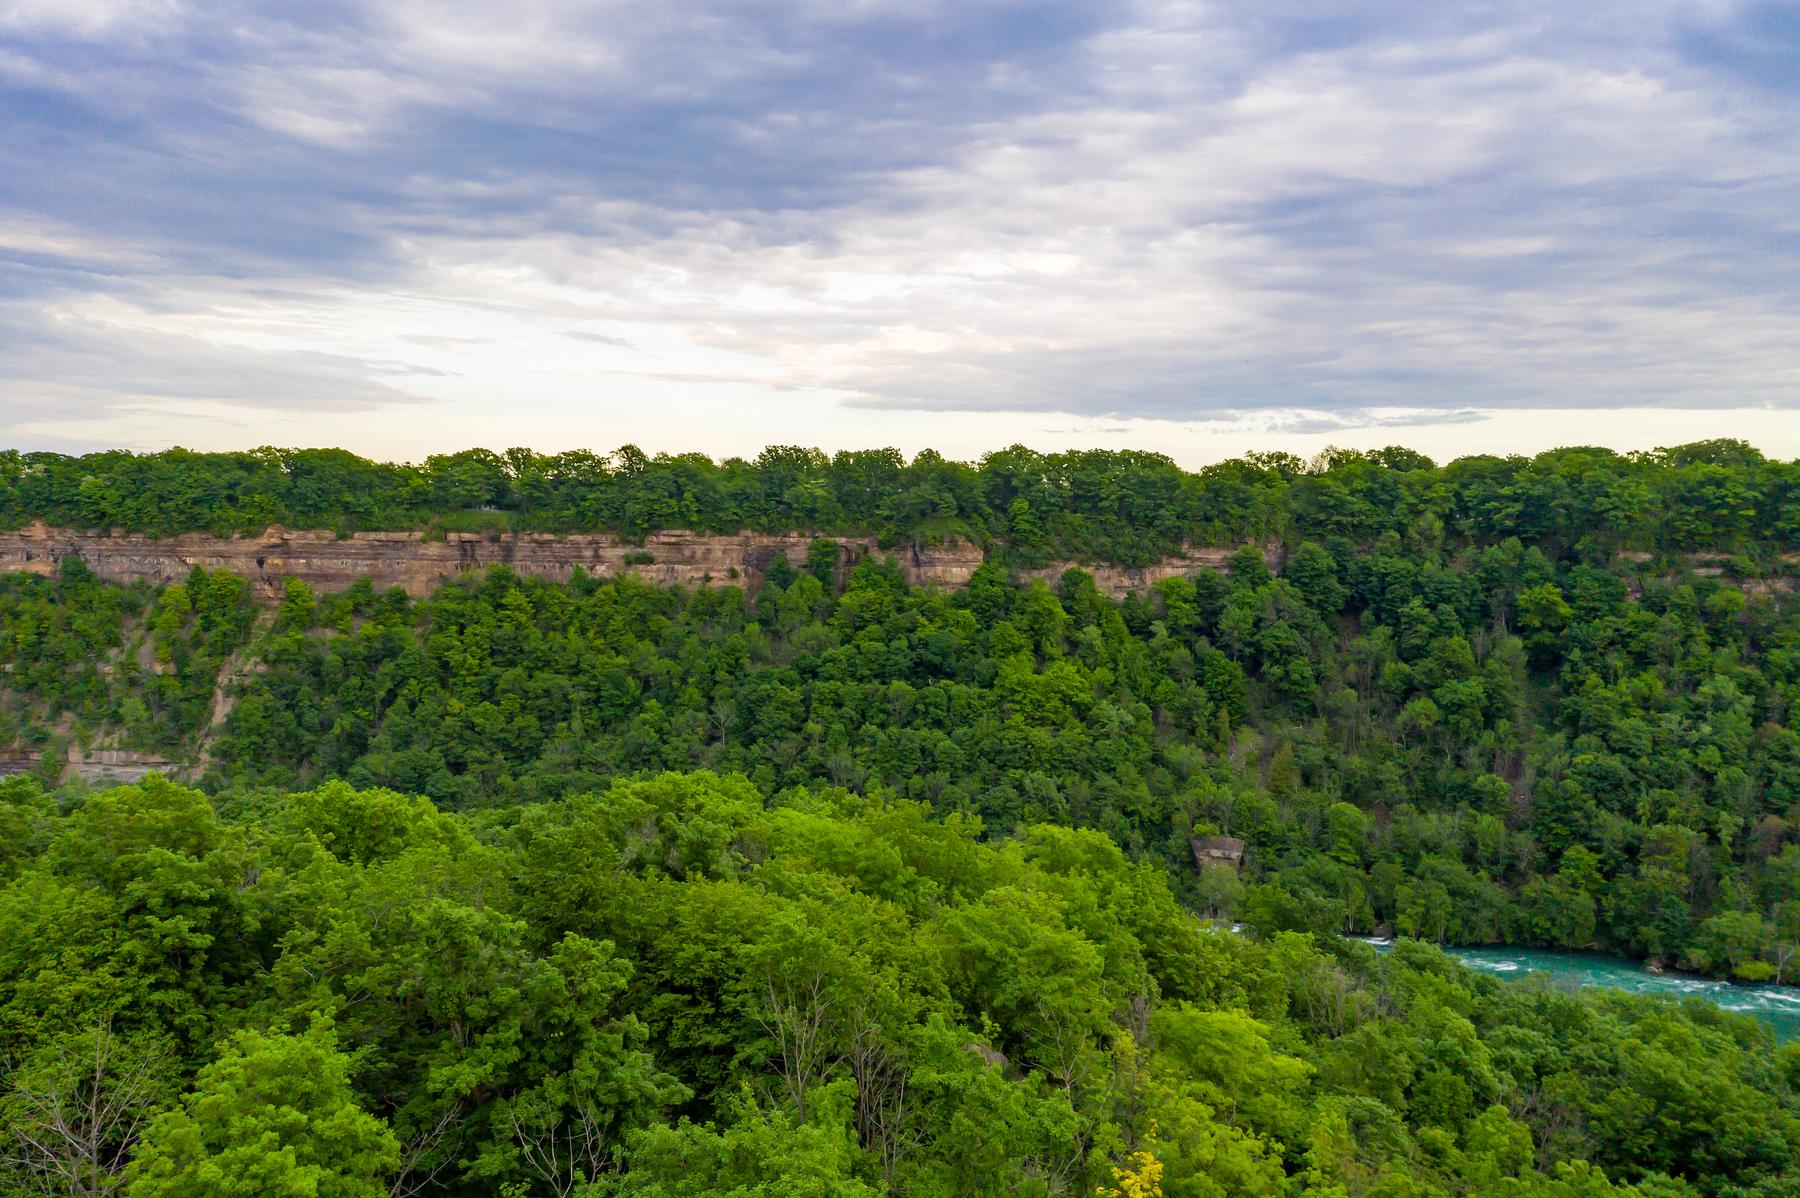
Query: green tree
column 273, row 1116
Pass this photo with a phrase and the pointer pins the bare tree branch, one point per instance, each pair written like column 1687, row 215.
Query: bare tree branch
column 71, row 1118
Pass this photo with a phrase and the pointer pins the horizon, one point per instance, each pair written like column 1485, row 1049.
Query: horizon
column 1312, row 462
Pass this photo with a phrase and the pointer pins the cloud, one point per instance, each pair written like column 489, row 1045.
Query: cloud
column 1165, row 210
column 87, row 18
column 90, row 360
column 600, row 338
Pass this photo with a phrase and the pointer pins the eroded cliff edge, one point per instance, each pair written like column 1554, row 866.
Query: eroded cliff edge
column 408, row 560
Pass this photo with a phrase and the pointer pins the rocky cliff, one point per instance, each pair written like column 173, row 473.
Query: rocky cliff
column 328, row 562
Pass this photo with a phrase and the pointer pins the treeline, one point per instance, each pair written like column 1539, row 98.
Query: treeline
column 1475, row 747
column 1130, row 508
column 682, row 986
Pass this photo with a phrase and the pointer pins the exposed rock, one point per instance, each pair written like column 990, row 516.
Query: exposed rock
column 96, row 767
column 111, row 767
column 1118, row 581
column 948, row 563
column 408, row 560
column 992, row 1056
column 1217, row 850
column 19, row 763
column 326, row 562
column 1773, row 576
column 237, row 668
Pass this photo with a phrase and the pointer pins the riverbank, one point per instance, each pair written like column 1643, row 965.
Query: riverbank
column 1778, row 1006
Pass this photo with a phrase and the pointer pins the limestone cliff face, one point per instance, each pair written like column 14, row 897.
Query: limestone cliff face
column 1781, row 580
column 406, row 559
column 403, row 559
column 1119, row 581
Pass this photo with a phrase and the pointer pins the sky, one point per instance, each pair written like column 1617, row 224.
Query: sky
column 416, row 226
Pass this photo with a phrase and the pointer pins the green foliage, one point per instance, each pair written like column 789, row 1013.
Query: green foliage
column 273, row 1116
column 842, row 887
column 1127, row 507
column 1396, row 754
column 668, row 987
column 138, row 666
column 1393, row 763
column 757, row 1154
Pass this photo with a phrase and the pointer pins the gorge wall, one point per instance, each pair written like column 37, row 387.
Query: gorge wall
column 408, row 560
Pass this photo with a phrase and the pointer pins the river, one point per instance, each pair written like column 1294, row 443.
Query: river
column 1778, row 1006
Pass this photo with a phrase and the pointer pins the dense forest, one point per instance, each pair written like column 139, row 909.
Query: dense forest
column 839, row 886
column 683, row 986
column 1129, row 508
column 1486, row 747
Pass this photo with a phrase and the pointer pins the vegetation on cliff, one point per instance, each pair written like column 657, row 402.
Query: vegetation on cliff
column 1474, row 747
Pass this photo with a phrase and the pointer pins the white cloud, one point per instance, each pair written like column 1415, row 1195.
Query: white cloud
column 46, row 237
column 1199, row 234
column 89, row 18
column 335, row 107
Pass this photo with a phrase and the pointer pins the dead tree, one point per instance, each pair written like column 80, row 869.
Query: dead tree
column 72, row 1117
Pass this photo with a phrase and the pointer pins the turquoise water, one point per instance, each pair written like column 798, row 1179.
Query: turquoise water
column 1779, row 1006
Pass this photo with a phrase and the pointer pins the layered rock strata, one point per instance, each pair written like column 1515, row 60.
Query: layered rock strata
column 327, row 562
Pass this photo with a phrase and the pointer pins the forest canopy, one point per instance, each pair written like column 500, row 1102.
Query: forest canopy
column 674, row 986
column 1125, row 507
